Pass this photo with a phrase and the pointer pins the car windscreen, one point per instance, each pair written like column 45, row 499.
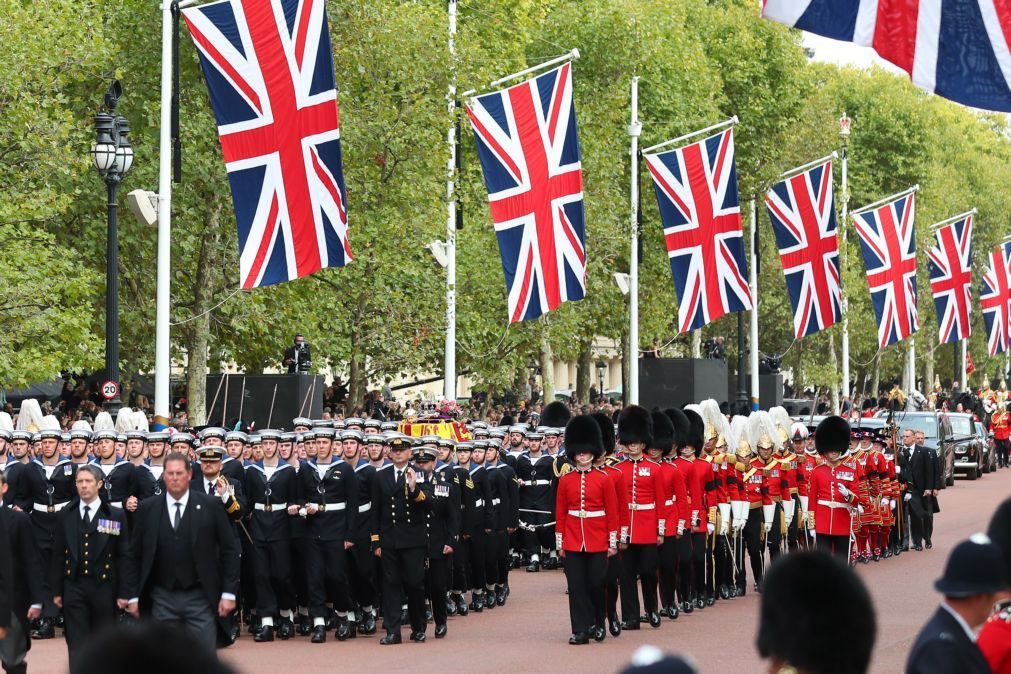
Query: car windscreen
column 961, row 425
column 926, row 424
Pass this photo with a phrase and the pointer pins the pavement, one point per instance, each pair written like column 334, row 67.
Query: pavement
column 530, row 633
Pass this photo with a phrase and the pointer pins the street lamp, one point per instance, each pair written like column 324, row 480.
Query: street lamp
column 112, row 156
column 601, row 366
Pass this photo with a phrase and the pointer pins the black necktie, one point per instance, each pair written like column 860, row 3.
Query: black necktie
column 178, row 517
column 87, row 516
column 210, row 488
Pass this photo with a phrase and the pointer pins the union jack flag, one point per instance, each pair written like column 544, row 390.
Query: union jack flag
column 950, row 265
column 995, row 299
column 888, row 240
column 696, row 189
column 803, row 217
column 269, row 70
column 958, row 49
column 529, row 149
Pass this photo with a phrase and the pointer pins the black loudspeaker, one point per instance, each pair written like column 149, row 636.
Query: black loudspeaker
column 249, row 397
column 770, row 390
column 674, row 382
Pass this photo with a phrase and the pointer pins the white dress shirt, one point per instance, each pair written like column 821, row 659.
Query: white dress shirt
column 92, row 509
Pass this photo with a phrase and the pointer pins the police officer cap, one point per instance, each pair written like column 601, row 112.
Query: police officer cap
column 354, row 421
column 446, row 442
column 374, row 439
column 5, row 434
column 325, row 432
column 211, row 453
column 301, row 421
column 83, row 434
column 287, row 436
column 54, row 433
column 212, row 432
column 388, row 426
column 974, row 567
column 353, row 435
column 424, row 454
column 157, row 436
column 21, row 435
column 131, row 435
column 430, row 440
column 270, row 434
column 373, row 423
column 184, row 438
column 236, row 435
column 400, row 443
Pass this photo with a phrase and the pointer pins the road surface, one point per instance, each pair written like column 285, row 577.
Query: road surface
column 529, row 634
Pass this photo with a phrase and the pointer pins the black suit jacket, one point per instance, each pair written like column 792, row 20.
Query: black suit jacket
column 111, row 556
column 942, row 647
column 6, row 578
column 444, row 516
column 399, row 517
column 26, row 564
column 215, row 548
column 920, row 474
column 292, row 357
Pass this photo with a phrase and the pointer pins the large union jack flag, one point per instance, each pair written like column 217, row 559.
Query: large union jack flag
column 995, row 299
column 270, row 73
column 529, row 149
column 950, row 265
column 955, row 48
column 888, row 240
column 803, row 217
column 696, row 189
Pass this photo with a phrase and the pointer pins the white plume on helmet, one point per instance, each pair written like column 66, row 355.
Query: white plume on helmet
column 736, row 432
column 6, row 423
column 799, row 430
column 124, row 419
column 81, row 424
column 782, row 420
column 139, row 421
column 716, row 423
column 30, row 417
column 762, row 430
column 103, row 422
column 49, row 423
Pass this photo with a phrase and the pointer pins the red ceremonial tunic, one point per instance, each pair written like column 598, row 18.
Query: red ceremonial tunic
column 995, row 640
column 645, row 508
column 675, row 491
column 831, row 510
column 586, row 512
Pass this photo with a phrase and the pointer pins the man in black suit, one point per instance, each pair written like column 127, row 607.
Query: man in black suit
column 91, row 573
column 947, row 643
column 920, row 480
column 298, row 356
column 26, row 576
column 443, row 530
column 187, row 555
column 400, row 506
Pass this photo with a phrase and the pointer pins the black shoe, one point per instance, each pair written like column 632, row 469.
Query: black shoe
column 352, row 629
column 286, row 629
column 461, row 606
column 450, row 606
column 724, row 592
column 59, row 622
column 477, row 604
column 710, row 598
column 654, row 619
column 500, row 596
column 662, row 611
column 598, row 634
column 418, row 637
column 887, row 553
column 644, row 618
column 368, row 626
column 489, row 599
column 304, row 626
column 580, row 638
column 46, row 630
column 687, row 607
column 918, row 548
column 550, row 564
column 390, row 638
column 428, row 615
column 440, row 631
column 614, row 625
column 700, row 603
column 629, row 625
column 318, row 634
column 741, row 590
column 343, row 629
column 265, row 633
column 234, row 632
column 673, row 611
column 534, row 567
column 929, row 545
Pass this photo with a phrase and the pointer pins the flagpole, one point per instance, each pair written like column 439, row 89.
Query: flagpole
column 570, row 56
column 753, row 283
column 449, row 369
column 952, row 219
column 634, row 129
column 162, row 357
column 809, row 165
column 844, row 133
column 887, row 200
column 728, row 122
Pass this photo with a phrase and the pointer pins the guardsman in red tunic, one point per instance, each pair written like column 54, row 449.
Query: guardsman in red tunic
column 765, row 437
column 675, row 500
column 738, row 458
column 719, row 565
column 798, row 439
column 891, row 492
column 833, row 489
column 995, row 635
column 1000, row 423
column 642, row 524
column 865, row 526
column 586, row 527
column 608, row 609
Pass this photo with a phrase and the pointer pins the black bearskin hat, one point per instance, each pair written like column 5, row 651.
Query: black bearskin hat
column 555, row 415
column 681, row 426
column 635, row 425
column 833, row 435
column 696, row 431
column 663, row 433
column 606, row 431
column 582, row 434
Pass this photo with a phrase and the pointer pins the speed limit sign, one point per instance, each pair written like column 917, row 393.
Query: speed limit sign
column 110, row 389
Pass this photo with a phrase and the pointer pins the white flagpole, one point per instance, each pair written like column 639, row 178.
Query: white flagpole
column 449, row 370
column 753, row 282
column 570, row 56
column 886, row 200
column 162, row 356
column 965, row 365
column 844, row 304
column 713, row 127
column 634, row 129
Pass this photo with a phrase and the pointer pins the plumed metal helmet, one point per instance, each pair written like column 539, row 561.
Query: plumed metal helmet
column 696, row 430
column 783, row 422
column 582, row 434
column 762, row 431
column 634, row 426
column 663, row 433
column 832, row 435
column 555, row 413
column 606, row 431
column 738, row 443
column 798, row 431
column 716, row 423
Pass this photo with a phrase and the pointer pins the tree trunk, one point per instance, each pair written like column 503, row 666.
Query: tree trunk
column 627, row 363
column 876, row 378
column 584, row 365
column 547, row 369
column 356, row 375
column 200, row 328
column 696, row 343
column 928, row 371
column 834, row 384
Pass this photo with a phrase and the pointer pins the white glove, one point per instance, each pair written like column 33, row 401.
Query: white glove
column 789, row 507
column 710, row 528
column 893, row 503
column 681, row 527
column 767, row 526
column 723, row 528
column 844, row 491
column 860, row 509
column 803, row 505
column 768, row 515
column 812, row 534
column 907, row 497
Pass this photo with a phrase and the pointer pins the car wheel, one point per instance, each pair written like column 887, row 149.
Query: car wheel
column 972, row 473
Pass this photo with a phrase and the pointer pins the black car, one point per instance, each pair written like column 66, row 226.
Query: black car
column 969, row 451
column 937, row 436
column 989, row 449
